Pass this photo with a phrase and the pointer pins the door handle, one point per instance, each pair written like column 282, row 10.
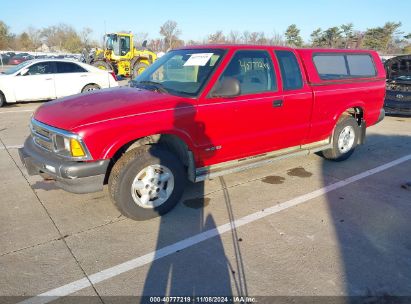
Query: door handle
column 277, row 103
column 49, row 78
column 83, row 76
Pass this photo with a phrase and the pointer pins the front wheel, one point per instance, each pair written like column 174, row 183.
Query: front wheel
column 139, row 68
column 146, row 182
column 103, row 65
column 345, row 139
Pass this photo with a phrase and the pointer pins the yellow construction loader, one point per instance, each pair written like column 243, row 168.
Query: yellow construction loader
column 120, row 55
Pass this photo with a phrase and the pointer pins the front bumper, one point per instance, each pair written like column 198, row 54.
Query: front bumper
column 75, row 177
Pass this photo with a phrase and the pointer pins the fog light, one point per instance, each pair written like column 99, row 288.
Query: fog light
column 50, row 168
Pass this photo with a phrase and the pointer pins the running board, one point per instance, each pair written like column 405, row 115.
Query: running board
column 242, row 164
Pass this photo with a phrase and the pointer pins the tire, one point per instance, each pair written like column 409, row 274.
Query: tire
column 2, row 100
column 133, row 169
column 138, row 68
column 345, row 139
column 90, row 87
column 103, row 65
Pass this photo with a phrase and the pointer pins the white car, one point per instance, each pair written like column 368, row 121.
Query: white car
column 47, row 79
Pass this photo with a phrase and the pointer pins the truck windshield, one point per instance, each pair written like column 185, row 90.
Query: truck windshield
column 180, row 72
column 109, row 42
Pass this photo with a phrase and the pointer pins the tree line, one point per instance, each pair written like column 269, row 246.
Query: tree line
column 388, row 39
column 61, row 37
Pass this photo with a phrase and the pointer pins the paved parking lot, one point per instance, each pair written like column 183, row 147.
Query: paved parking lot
column 299, row 227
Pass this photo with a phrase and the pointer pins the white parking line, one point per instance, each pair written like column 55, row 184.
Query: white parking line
column 17, row 111
column 111, row 272
column 11, row 147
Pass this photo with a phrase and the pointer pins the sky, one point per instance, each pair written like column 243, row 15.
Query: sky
column 198, row 18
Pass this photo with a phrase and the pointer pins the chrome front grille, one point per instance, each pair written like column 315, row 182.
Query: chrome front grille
column 44, row 144
column 42, row 137
column 52, row 139
column 41, row 131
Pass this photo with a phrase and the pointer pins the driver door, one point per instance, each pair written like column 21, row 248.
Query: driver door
column 247, row 124
column 270, row 113
column 36, row 84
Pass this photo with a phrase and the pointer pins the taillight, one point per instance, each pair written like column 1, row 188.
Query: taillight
column 114, row 75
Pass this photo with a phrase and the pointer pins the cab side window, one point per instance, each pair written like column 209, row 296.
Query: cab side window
column 290, row 70
column 254, row 70
column 41, row 68
column 124, row 45
column 68, row 67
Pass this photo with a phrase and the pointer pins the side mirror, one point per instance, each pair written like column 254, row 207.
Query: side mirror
column 229, row 87
column 144, row 45
column 24, row 72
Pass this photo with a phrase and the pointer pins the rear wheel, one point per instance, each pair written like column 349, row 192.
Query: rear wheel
column 139, row 68
column 345, row 139
column 146, row 182
column 90, row 87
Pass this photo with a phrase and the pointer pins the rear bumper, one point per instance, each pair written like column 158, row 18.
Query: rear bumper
column 381, row 117
column 75, row 177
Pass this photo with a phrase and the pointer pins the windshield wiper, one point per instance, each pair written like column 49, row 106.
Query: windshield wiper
column 158, row 86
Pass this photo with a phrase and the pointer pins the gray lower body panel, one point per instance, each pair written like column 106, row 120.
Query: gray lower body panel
column 229, row 167
column 76, row 177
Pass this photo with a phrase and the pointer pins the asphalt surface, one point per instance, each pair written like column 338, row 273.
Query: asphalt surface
column 300, row 227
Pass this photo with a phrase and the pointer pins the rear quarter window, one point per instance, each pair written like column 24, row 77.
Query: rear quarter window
column 341, row 66
column 361, row 65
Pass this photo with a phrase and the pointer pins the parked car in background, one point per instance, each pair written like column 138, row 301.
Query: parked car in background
column 50, row 79
column 4, row 58
column 19, row 58
column 40, row 57
column 23, row 54
column 73, row 57
column 10, row 54
column 201, row 112
column 7, row 56
column 398, row 97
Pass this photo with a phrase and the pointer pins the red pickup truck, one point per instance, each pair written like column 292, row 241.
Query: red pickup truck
column 204, row 111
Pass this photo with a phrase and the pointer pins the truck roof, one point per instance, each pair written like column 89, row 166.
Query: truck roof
column 318, row 50
column 235, row 46
column 276, row 47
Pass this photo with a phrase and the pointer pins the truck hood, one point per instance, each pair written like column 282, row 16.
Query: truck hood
column 76, row 111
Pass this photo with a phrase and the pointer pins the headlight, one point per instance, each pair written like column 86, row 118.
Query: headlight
column 68, row 146
column 61, row 142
